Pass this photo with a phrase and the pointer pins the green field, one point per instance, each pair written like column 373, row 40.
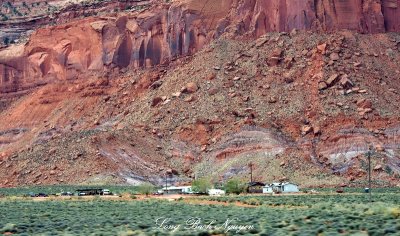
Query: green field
column 315, row 214
column 312, row 200
column 53, row 189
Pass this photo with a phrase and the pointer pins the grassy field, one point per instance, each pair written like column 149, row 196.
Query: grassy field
column 53, row 189
column 313, row 200
column 314, row 214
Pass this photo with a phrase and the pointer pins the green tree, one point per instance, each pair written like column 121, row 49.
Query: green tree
column 6, row 41
column 235, row 186
column 201, row 185
column 146, row 188
column 4, row 17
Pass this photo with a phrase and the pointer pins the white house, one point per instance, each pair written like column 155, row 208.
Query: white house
column 216, row 192
column 268, row 189
column 281, row 188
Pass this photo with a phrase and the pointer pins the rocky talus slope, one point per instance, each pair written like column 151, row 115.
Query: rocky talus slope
column 301, row 89
column 165, row 31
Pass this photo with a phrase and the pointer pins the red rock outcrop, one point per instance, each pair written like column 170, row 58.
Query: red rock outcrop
column 277, row 15
column 391, row 11
column 138, row 40
column 166, row 31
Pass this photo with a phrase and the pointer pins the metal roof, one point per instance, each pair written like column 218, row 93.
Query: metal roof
column 176, row 187
column 252, row 184
column 279, row 184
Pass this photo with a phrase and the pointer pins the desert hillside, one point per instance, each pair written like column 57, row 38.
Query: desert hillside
column 300, row 89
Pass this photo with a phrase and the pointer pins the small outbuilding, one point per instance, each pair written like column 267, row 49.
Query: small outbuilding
column 281, row 188
column 216, row 192
column 255, row 187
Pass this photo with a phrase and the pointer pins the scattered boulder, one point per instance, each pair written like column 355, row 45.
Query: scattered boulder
column 52, row 151
column 190, row 88
column 364, row 103
column 379, row 148
column 156, row 101
column 334, row 56
column 378, row 168
column 363, row 111
column 288, row 62
column 261, row 41
column 317, row 130
column 322, row 48
column 306, row 129
column 345, row 82
column 272, row 100
column 304, row 52
column 277, row 53
column 288, row 78
column 156, row 84
column 213, row 91
column 322, row 85
column 273, row 61
column 332, row 80
column 176, row 95
column 189, row 99
column 98, row 25
column 211, row 76
column 275, row 57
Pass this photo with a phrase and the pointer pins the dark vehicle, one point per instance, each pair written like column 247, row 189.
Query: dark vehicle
column 67, row 194
column 31, row 194
column 82, row 194
column 340, row 190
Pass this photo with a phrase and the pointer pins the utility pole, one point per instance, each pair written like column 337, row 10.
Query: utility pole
column 166, row 183
column 369, row 172
column 251, row 172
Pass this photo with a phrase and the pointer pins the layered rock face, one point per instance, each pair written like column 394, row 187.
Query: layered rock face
column 167, row 31
column 138, row 40
column 391, row 11
column 326, row 15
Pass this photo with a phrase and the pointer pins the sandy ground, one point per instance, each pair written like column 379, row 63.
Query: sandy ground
column 188, row 199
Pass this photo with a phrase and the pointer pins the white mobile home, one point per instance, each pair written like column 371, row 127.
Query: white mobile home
column 281, row 188
column 176, row 190
column 268, row 189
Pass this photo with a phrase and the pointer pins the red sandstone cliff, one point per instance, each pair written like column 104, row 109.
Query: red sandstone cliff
column 167, row 31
